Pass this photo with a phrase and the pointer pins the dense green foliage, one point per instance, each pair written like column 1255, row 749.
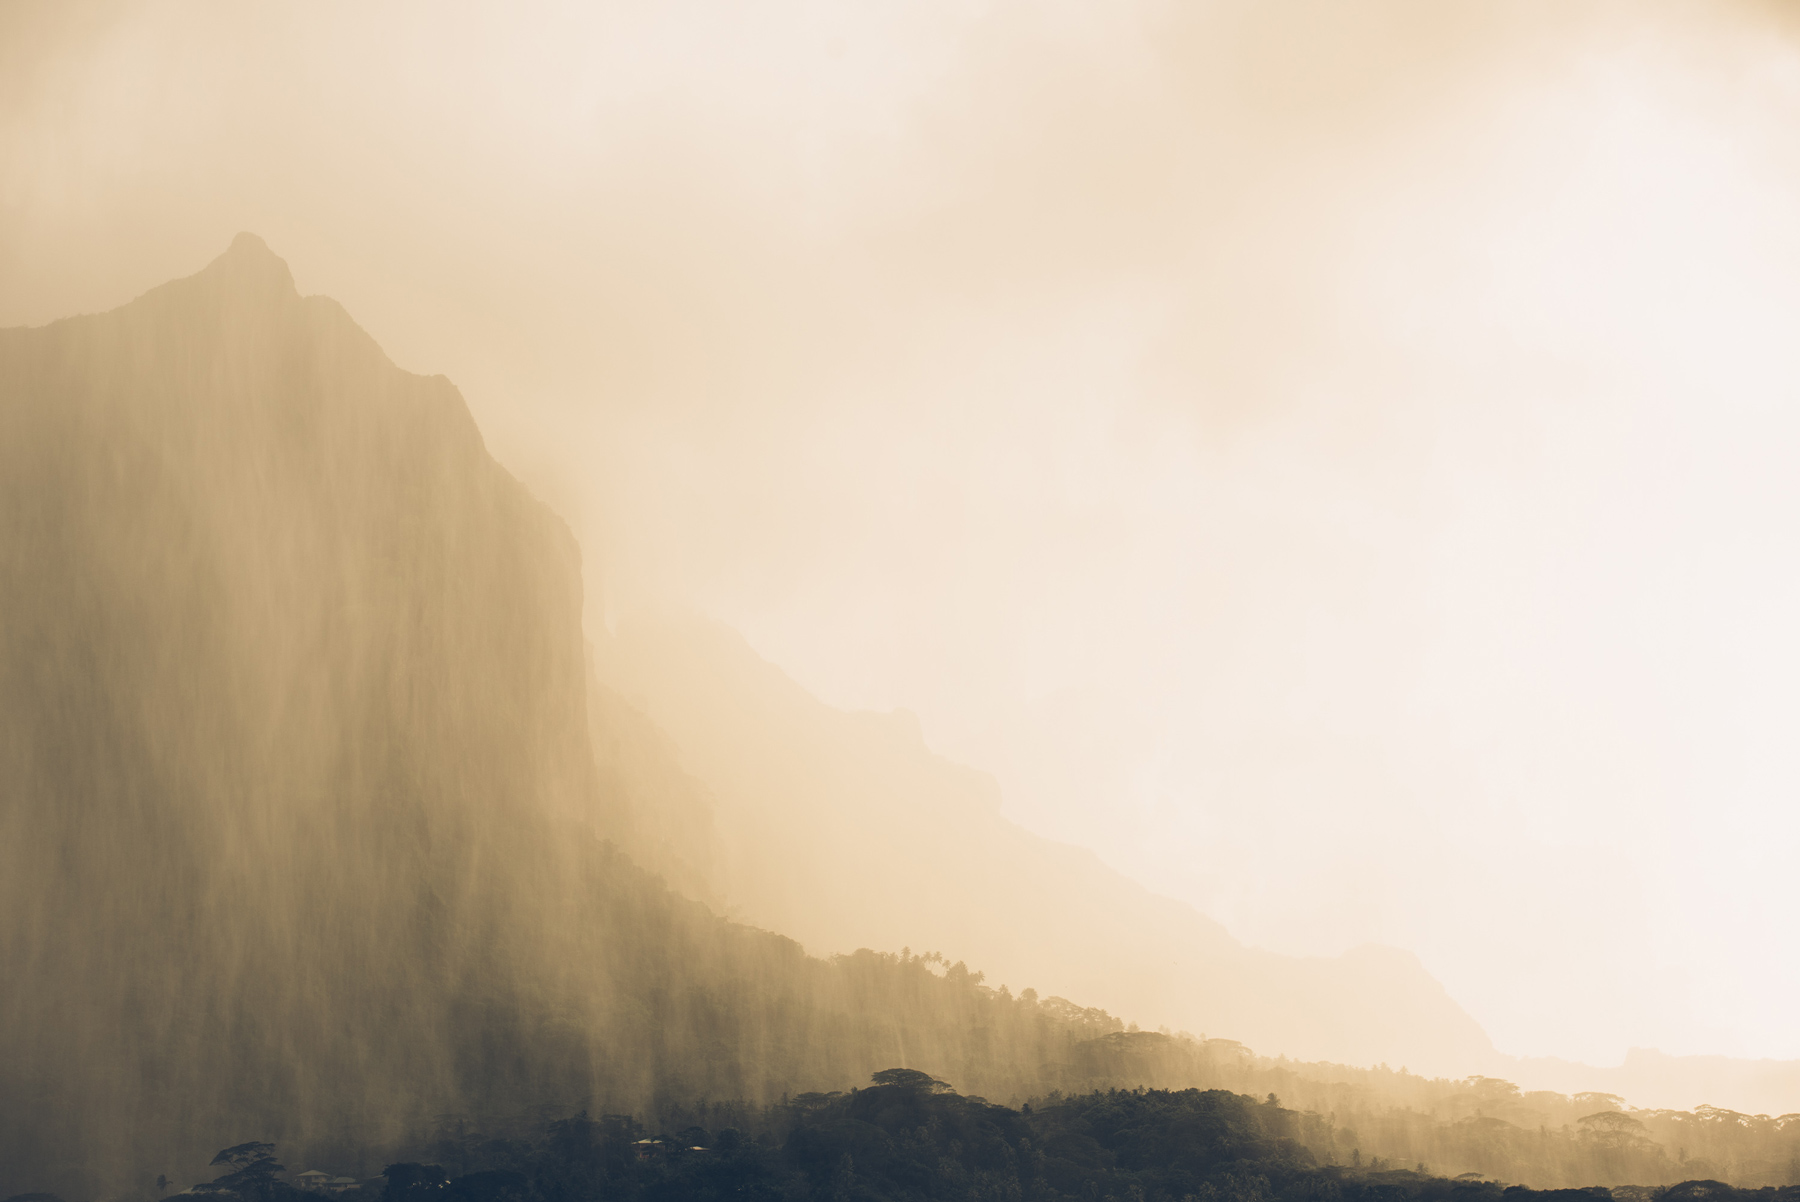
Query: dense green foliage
column 1475, row 1124
column 908, row 1136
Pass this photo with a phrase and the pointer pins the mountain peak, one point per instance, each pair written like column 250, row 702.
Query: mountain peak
column 249, row 260
column 247, row 243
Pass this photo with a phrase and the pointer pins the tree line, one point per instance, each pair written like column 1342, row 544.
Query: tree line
column 908, row 1135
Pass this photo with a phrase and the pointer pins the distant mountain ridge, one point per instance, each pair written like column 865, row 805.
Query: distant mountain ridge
column 786, row 800
column 843, row 830
column 1649, row 1078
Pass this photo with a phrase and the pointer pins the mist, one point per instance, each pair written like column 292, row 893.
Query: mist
column 1330, row 463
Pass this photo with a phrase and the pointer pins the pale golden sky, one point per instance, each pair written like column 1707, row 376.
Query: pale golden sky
column 1335, row 460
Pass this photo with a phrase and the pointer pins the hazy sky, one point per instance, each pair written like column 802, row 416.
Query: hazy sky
column 1335, row 460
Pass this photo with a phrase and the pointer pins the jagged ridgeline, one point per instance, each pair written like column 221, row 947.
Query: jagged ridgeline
column 300, row 834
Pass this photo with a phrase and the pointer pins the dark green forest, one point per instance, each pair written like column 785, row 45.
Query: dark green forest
column 907, row 1135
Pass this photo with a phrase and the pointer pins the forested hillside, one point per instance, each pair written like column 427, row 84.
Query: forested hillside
column 908, row 1136
column 1480, row 1125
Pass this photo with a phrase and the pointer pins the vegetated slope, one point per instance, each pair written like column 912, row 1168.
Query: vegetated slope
column 908, row 1136
column 844, row 830
column 1481, row 1125
column 300, row 824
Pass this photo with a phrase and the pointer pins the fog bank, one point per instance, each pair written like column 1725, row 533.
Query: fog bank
column 1332, row 462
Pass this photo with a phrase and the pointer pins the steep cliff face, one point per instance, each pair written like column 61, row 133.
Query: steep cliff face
column 299, row 830
column 287, row 662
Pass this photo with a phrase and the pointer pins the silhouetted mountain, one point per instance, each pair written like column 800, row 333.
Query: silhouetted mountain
column 298, row 836
column 844, row 830
column 304, row 835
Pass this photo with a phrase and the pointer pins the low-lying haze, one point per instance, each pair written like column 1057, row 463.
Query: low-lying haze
column 1333, row 461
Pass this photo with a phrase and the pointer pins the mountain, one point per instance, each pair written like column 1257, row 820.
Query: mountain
column 844, row 830
column 301, row 832
column 320, row 824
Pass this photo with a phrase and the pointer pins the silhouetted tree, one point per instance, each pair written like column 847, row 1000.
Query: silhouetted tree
column 909, row 1079
column 250, row 1170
